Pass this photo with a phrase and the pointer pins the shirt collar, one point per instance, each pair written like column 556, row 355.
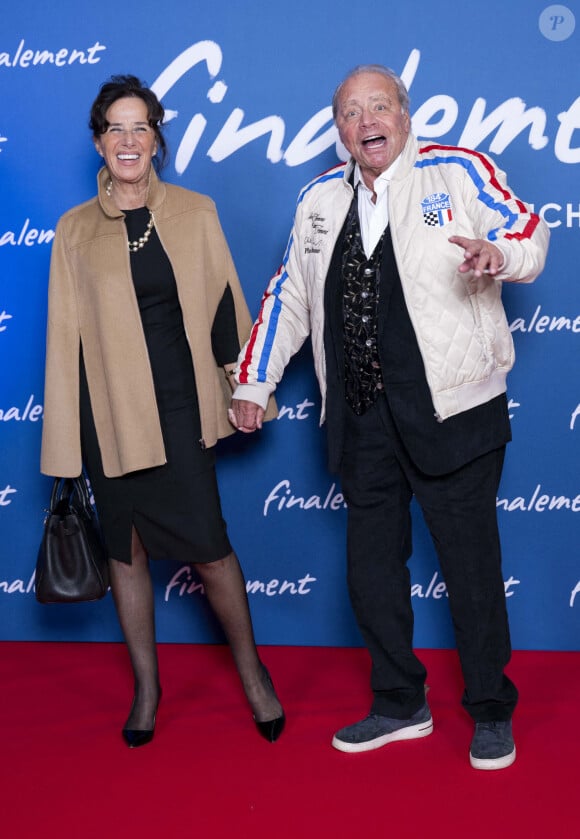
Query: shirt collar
column 381, row 183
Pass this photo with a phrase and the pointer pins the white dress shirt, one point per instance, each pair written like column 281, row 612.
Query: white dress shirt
column 373, row 216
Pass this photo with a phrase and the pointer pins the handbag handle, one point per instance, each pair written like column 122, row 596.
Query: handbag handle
column 64, row 488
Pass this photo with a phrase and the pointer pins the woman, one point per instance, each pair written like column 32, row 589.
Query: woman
column 146, row 318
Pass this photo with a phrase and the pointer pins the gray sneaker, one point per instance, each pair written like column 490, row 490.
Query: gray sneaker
column 493, row 745
column 376, row 731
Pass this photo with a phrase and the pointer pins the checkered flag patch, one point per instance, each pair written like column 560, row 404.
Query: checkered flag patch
column 437, row 210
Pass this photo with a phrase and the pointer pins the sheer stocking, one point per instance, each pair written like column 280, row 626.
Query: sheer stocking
column 133, row 596
column 225, row 589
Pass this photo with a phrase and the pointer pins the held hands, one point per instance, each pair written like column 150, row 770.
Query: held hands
column 245, row 416
column 479, row 256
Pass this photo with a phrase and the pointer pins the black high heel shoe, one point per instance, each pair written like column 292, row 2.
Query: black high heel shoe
column 135, row 737
column 270, row 729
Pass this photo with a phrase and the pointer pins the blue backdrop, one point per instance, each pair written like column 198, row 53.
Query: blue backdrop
column 248, row 87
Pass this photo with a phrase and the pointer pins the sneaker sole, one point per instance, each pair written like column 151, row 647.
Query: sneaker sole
column 491, row 763
column 410, row 732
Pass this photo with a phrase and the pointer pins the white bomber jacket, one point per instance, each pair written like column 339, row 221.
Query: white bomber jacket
column 459, row 320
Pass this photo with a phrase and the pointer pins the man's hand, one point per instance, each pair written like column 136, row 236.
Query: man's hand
column 245, row 416
column 479, row 256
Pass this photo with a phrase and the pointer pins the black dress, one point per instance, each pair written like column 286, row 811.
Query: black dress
column 175, row 508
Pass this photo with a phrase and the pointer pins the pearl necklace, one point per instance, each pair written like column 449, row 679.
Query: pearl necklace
column 139, row 243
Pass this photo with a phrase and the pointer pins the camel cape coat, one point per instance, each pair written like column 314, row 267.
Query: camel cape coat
column 92, row 303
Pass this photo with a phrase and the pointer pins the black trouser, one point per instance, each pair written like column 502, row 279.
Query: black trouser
column 378, row 482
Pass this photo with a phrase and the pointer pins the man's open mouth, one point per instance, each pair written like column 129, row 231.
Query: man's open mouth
column 375, row 141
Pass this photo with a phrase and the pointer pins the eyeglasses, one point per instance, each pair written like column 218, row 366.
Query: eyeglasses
column 137, row 130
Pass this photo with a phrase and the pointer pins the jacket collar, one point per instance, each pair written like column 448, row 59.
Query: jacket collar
column 155, row 196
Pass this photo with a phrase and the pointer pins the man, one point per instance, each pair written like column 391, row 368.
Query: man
column 395, row 265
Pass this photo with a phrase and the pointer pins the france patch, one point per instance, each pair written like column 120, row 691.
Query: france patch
column 437, row 209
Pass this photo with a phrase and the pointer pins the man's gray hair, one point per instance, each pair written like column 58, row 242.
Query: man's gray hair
column 402, row 93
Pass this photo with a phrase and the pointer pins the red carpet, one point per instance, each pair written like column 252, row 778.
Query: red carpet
column 66, row 772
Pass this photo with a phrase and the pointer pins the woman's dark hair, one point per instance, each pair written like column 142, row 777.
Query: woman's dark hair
column 121, row 87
